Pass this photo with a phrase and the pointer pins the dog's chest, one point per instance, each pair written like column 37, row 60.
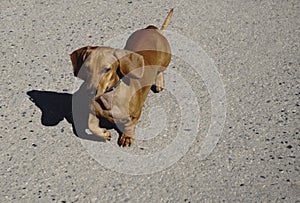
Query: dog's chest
column 113, row 106
column 105, row 101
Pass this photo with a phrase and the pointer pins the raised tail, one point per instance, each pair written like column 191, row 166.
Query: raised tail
column 167, row 20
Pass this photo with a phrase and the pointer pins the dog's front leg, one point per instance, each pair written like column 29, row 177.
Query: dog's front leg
column 93, row 124
column 127, row 137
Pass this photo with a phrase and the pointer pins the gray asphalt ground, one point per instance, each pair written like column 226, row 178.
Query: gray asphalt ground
column 255, row 47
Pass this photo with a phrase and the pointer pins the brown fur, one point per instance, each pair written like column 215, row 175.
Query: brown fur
column 141, row 64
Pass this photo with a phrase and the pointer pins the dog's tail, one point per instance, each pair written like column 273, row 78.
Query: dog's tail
column 167, row 20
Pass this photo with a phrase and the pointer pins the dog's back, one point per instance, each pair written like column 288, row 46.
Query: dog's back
column 151, row 44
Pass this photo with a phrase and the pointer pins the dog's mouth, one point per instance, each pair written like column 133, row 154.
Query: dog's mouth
column 97, row 94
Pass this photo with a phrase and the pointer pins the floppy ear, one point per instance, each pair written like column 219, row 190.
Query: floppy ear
column 78, row 57
column 131, row 64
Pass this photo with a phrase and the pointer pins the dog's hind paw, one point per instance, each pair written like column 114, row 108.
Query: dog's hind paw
column 156, row 89
column 159, row 88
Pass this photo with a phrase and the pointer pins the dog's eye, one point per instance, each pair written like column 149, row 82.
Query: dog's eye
column 106, row 70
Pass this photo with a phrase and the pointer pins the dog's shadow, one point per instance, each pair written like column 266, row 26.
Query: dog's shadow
column 74, row 108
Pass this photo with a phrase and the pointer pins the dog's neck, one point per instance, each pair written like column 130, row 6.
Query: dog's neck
column 121, row 79
column 114, row 87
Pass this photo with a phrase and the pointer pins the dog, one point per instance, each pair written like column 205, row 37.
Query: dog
column 119, row 80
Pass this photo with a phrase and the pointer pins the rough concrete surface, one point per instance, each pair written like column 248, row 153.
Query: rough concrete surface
column 255, row 48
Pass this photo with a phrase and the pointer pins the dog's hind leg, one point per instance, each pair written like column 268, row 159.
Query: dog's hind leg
column 159, row 82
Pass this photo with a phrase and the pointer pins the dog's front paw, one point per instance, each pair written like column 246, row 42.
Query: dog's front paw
column 125, row 141
column 107, row 136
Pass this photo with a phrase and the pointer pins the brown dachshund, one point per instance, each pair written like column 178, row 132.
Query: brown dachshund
column 119, row 80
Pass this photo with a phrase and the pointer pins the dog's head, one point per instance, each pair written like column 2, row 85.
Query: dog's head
column 99, row 66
